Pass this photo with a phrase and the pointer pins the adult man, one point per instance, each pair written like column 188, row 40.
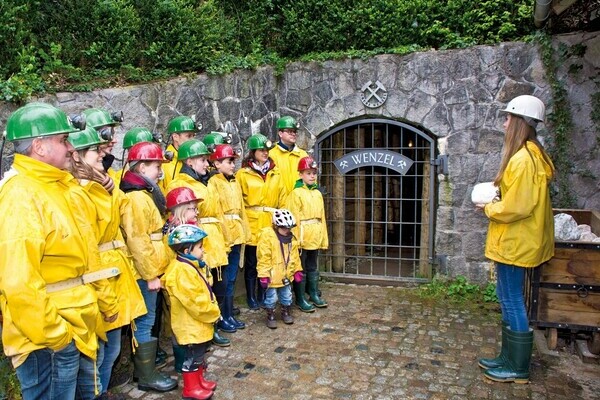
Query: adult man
column 180, row 129
column 50, row 316
column 286, row 154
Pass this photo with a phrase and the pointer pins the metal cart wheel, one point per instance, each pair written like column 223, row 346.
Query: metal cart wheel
column 552, row 338
column 594, row 343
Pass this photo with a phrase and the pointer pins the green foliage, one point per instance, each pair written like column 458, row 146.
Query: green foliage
column 457, row 290
column 87, row 44
column 560, row 146
column 9, row 384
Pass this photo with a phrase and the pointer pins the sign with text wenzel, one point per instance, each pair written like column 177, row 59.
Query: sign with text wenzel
column 373, row 158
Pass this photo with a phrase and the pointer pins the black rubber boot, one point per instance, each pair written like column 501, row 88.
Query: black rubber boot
column 219, row 340
column 228, row 305
column 148, row 377
column 251, row 294
column 179, row 354
column 487, row 363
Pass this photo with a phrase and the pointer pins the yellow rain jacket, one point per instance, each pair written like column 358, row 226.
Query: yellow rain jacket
column 115, row 175
column 170, row 168
column 259, row 193
column 232, row 207
column 270, row 260
column 142, row 226
column 521, row 229
column 194, row 307
column 40, row 243
column 210, row 219
column 114, row 253
column 309, row 210
column 287, row 162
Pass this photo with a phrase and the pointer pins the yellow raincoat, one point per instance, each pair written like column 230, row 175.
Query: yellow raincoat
column 194, row 307
column 309, row 210
column 142, row 225
column 40, row 243
column 169, row 169
column 114, row 253
column 287, row 162
column 210, row 219
column 270, row 260
column 521, row 229
column 232, row 207
column 259, row 193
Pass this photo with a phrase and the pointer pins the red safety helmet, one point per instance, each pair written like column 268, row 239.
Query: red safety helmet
column 146, row 151
column 307, row 163
column 180, row 195
column 223, row 151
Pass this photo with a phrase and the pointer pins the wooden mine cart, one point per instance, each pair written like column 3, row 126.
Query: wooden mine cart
column 565, row 292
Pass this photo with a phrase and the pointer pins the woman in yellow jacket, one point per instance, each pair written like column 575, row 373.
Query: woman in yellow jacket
column 520, row 234
column 142, row 222
column 263, row 191
column 238, row 231
column 194, row 308
column 88, row 169
column 306, row 203
column 194, row 175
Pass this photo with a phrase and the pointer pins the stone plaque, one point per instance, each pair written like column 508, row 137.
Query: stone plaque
column 373, row 95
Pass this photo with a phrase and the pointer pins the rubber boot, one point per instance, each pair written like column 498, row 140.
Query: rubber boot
column 286, row 315
column 313, row 288
column 206, row 384
column 303, row 305
column 487, row 363
column 260, row 296
column 228, row 306
column 161, row 357
column 148, row 377
column 516, row 369
column 271, row 323
column 223, row 324
column 251, row 294
column 219, row 340
column 179, row 354
column 192, row 388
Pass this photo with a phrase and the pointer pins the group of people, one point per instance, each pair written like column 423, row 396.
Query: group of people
column 86, row 250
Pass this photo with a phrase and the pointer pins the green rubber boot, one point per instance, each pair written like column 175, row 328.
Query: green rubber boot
column 516, row 369
column 144, row 361
column 313, row 289
column 303, row 305
column 219, row 340
column 487, row 363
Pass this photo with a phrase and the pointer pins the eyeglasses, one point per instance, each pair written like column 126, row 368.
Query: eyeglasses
column 106, row 133
column 290, row 131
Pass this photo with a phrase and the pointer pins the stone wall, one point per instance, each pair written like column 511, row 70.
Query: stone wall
column 455, row 96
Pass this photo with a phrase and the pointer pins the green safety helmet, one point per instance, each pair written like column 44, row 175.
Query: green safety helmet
column 97, row 117
column 192, row 148
column 259, row 141
column 182, row 124
column 36, row 120
column 86, row 138
column 287, row 122
column 137, row 135
column 215, row 138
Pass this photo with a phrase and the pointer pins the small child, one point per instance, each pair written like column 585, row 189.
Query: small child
column 306, row 203
column 194, row 308
column 278, row 263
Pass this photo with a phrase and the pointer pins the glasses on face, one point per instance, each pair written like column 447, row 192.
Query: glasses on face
column 106, row 133
column 290, row 132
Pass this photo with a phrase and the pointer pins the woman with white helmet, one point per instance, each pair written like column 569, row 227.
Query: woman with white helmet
column 520, row 234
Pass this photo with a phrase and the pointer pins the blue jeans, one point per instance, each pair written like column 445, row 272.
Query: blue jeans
column 48, row 374
column 284, row 293
column 88, row 379
column 145, row 322
column 111, row 350
column 232, row 269
column 510, row 294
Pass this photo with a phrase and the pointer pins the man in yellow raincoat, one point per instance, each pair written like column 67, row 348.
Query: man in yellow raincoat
column 286, row 154
column 180, row 130
column 50, row 315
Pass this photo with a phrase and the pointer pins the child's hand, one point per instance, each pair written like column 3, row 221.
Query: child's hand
column 264, row 282
column 298, row 276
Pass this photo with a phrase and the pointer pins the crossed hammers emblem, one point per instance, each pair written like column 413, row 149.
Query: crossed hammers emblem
column 373, row 89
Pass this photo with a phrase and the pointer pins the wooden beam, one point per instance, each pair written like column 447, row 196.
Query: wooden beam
column 560, row 6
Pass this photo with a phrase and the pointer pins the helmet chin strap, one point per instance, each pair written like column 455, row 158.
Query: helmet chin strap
column 2, row 157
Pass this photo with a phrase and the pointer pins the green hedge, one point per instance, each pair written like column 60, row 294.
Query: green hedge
column 83, row 44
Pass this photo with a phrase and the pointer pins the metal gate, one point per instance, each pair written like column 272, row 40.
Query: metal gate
column 379, row 179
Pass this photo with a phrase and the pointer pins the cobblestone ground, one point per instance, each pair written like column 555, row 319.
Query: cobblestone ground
column 378, row 343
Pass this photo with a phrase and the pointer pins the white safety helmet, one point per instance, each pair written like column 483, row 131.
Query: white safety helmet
column 484, row 193
column 284, row 218
column 528, row 107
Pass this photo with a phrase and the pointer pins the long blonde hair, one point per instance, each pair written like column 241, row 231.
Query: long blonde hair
column 83, row 171
column 518, row 133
